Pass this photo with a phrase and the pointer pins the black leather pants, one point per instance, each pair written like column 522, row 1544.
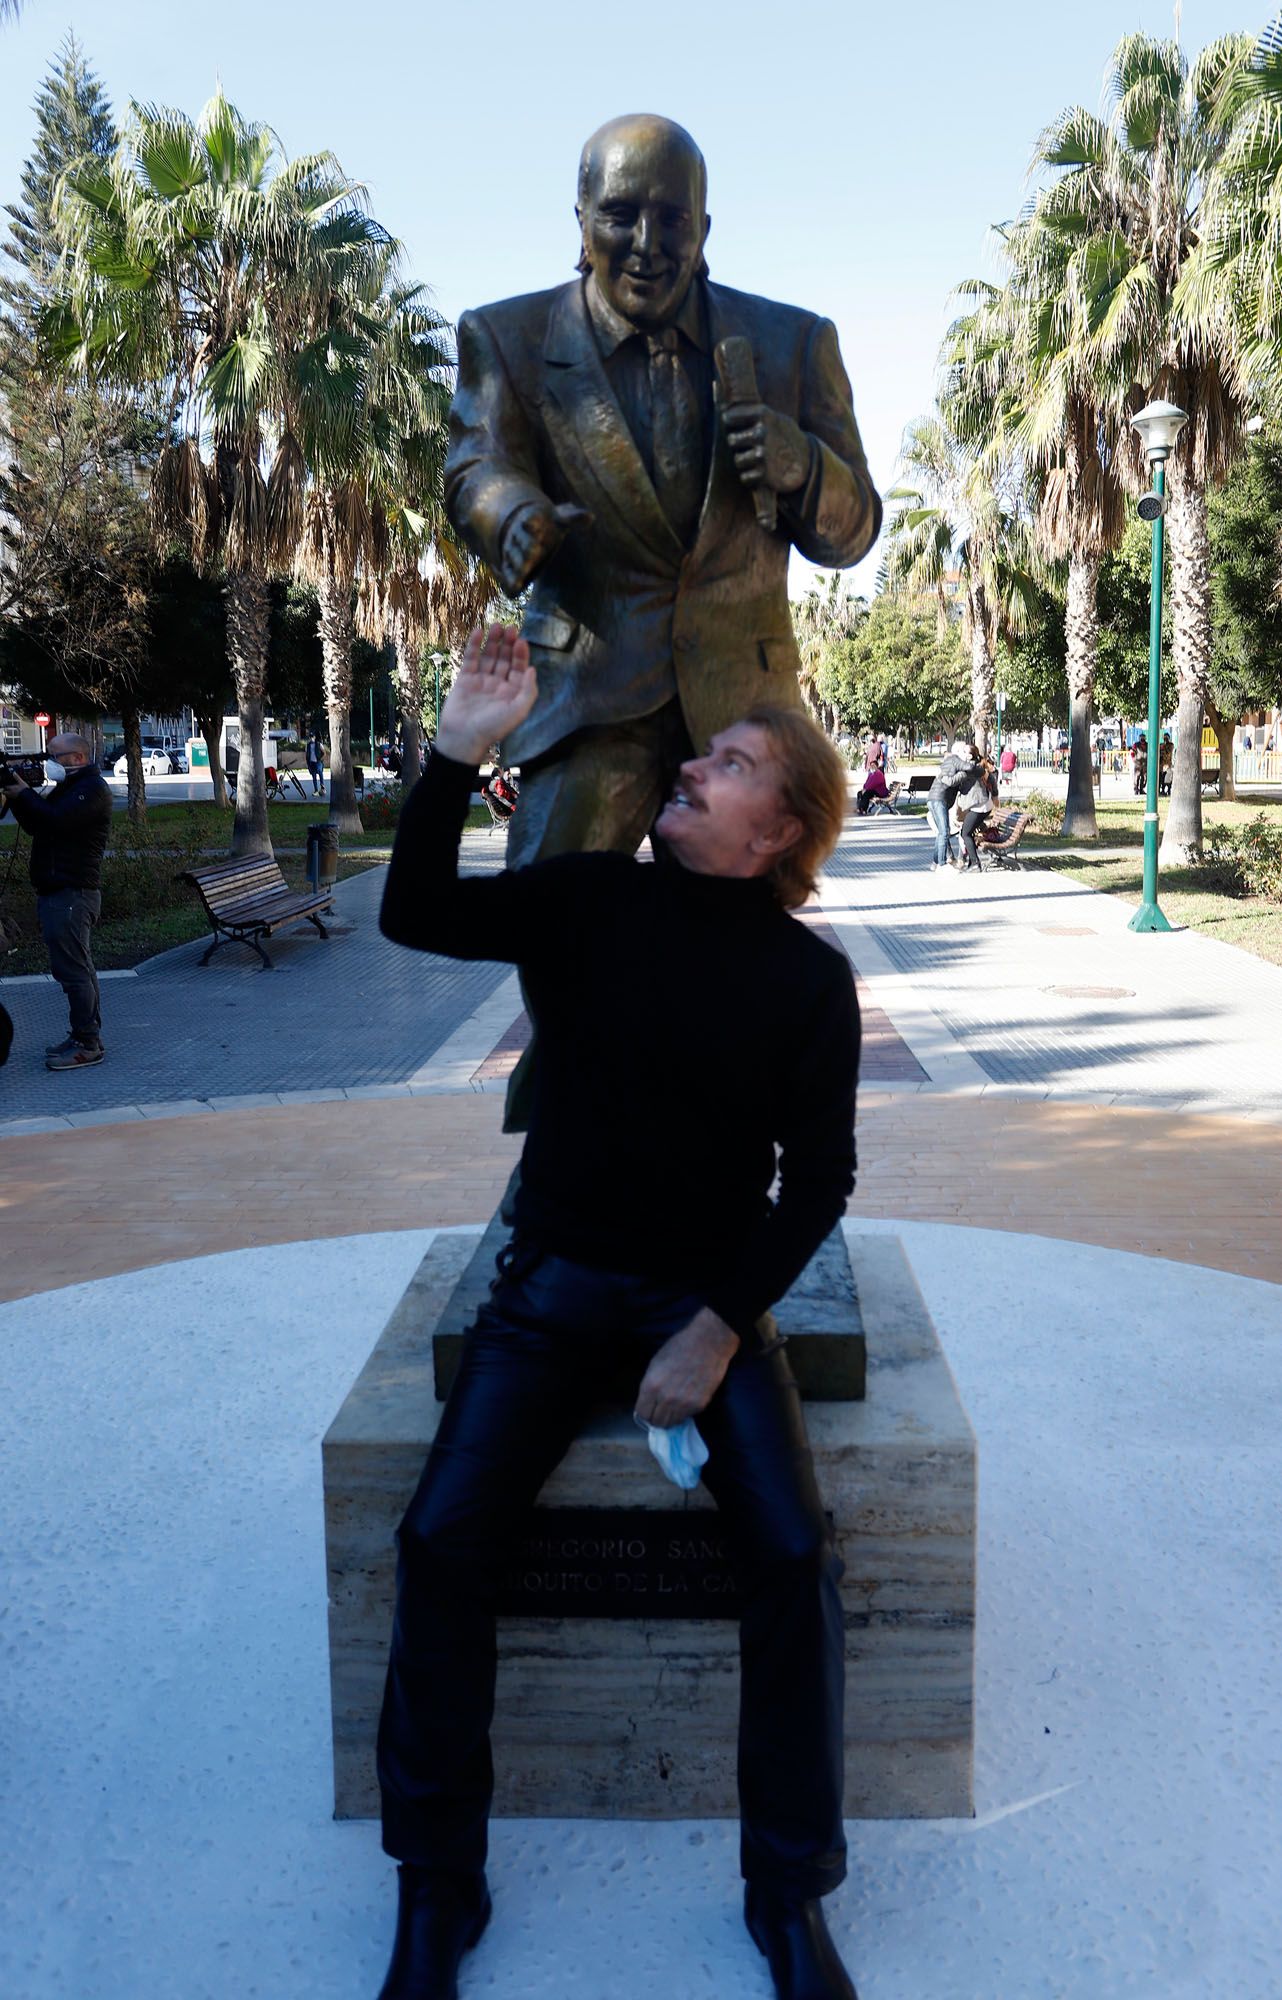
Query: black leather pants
column 531, row 1372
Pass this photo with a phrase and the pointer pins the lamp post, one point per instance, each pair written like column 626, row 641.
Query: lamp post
column 1159, row 425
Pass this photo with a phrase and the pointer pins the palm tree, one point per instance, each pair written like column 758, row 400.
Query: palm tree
column 1237, row 260
column 826, row 614
column 203, row 262
column 960, row 539
column 1128, row 194
column 378, row 490
column 1018, row 361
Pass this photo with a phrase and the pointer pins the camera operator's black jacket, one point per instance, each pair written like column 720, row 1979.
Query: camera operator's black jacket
column 68, row 828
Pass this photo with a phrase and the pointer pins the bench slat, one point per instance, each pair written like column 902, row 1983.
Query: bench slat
column 255, row 916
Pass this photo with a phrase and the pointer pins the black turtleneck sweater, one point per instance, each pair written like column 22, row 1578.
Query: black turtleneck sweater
column 687, row 1026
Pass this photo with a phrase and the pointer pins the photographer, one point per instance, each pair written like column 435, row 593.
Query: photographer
column 68, row 839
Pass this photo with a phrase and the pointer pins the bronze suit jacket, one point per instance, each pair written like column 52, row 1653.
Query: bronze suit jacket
column 623, row 616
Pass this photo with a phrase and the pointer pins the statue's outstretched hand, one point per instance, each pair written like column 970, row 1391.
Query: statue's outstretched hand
column 535, row 533
column 494, row 689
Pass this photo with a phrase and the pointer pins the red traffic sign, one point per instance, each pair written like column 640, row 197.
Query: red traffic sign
column 43, row 719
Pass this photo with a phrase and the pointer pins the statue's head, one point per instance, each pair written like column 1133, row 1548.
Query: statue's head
column 643, row 211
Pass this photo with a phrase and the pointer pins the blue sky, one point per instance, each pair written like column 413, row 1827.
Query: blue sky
column 857, row 154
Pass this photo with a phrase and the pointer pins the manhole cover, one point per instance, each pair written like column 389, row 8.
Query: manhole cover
column 1065, row 930
column 1092, row 992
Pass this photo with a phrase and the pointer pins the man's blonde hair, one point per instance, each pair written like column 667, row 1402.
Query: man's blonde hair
column 812, row 789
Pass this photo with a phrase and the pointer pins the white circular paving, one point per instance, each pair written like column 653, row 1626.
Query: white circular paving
column 164, row 1770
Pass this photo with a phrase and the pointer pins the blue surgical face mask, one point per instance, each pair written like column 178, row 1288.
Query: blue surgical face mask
column 681, row 1451
column 54, row 771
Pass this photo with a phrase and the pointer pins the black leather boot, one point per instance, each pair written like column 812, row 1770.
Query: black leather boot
column 794, row 1939
column 438, row 1918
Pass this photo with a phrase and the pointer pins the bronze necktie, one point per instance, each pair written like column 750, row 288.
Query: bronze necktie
column 677, row 429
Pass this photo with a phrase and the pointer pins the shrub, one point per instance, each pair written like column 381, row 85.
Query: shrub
column 1046, row 814
column 1244, row 860
column 381, row 809
column 140, row 877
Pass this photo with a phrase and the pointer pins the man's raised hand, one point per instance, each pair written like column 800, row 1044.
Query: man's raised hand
column 494, row 689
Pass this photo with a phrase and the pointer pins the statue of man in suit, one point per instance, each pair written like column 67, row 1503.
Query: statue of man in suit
column 594, row 461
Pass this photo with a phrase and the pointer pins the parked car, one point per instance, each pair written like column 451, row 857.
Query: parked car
column 162, row 757
column 155, row 764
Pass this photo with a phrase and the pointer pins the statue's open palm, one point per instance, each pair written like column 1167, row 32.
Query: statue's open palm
column 494, row 690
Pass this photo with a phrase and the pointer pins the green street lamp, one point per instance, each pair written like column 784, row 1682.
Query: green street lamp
column 1159, row 425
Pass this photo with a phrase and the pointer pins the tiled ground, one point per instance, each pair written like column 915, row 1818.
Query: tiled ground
column 353, row 1010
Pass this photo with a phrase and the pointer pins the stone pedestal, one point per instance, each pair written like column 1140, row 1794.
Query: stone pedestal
column 603, row 1713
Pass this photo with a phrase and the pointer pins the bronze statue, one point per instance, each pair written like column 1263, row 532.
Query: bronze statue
column 596, row 458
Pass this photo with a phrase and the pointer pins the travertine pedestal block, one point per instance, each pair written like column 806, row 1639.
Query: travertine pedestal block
column 620, row 1716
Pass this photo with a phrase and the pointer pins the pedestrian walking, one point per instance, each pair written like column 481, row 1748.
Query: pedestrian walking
column 68, row 829
column 1010, row 760
column 316, row 765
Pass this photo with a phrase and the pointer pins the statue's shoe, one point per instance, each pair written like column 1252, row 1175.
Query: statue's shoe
column 795, row 1941
column 438, row 1919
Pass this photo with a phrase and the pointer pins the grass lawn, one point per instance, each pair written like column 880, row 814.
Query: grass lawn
column 122, row 942
column 1249, row 921
column 1121, row 821
column 210, row 826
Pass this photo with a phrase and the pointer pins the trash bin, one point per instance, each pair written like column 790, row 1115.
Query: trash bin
column 322, row 855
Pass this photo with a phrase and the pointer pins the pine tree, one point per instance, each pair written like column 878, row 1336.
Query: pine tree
column 73, row 118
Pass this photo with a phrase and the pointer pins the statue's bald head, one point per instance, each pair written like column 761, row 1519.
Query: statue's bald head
column 641, row 133
column 643, row 212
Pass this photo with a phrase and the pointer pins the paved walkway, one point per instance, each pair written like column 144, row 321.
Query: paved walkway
column 1029, row 982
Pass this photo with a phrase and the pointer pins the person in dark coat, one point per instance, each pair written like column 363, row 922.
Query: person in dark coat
column 68, row 831
column 956, row 772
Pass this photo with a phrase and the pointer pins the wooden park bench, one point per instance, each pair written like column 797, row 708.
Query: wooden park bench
column 997, row 844
column 247, row 899
column 920, row 782
column 868, row 803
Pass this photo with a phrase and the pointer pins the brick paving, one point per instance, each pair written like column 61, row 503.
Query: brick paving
column 89, row 1204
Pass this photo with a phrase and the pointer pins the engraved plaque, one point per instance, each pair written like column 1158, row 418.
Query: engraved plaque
column 620, row 1562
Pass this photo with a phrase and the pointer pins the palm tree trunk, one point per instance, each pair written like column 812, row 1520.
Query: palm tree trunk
column 1081, row 630
column 1225, row 731
column 248, row 631
column 210, row 727
column 409, row 696
column 982, row 677
column 336, row 630
column 1191, row 652
column 136, row 805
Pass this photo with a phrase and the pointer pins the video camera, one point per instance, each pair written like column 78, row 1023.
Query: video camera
column 30, row 769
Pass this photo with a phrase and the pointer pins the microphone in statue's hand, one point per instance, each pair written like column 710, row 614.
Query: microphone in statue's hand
column 737, row 374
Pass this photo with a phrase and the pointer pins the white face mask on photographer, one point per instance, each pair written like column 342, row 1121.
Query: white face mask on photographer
column 54, row 771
